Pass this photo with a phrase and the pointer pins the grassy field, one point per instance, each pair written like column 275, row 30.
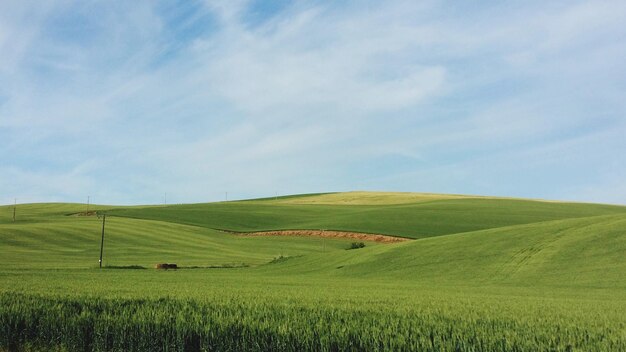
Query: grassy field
column 483, row 274
column 420, row 219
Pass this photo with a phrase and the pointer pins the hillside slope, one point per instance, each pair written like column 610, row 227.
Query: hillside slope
column 44, row 237
column 586, row 252
column 464, row 240
column 486, row 275
column 424, row 216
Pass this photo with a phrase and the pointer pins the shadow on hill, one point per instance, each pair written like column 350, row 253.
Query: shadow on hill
column 222, row 266
column 124, row 267
column 139, row 267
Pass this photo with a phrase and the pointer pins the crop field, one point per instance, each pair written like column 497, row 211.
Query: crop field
column 476, row 274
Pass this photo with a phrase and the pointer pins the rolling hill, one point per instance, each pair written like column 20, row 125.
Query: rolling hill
column 501, row 273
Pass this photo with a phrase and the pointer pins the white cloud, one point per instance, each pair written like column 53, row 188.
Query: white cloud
column 299, row 100
column 307, row 62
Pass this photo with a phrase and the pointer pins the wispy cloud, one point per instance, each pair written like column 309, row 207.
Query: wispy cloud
column 125, row 101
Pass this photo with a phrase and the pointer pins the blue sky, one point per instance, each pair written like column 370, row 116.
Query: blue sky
column 126, row 101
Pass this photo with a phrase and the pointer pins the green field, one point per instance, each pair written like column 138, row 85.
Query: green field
column 481, row 274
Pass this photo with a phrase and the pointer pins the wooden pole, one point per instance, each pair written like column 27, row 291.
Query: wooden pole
column 14, row 207
column 104, row 217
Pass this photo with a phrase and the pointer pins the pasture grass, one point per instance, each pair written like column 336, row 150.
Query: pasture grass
column 484, row 275
column 74, row 242
column 367, row 198
column 413, row 220
column 182, row 310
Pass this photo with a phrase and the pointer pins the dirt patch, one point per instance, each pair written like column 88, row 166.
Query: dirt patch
column 166, row 266
column 328, row 234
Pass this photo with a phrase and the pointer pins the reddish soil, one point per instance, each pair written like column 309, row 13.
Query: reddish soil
column 328, row 234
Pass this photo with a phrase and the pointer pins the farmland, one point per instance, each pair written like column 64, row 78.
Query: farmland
column 478, row 274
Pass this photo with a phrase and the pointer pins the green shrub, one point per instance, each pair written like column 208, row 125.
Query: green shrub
column 356, row 245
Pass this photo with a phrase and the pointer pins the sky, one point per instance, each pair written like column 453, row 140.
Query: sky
column 130, row 102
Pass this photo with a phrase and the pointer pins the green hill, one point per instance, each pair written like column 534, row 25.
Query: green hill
column 583, row 252
column 424, row 216
column 481, row 274
column 458, row 234
column 55, row 240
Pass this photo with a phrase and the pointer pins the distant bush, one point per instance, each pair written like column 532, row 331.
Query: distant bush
column 356, row 245
column 279, row 259
column 283, row 258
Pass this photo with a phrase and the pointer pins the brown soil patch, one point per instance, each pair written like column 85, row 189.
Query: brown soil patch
column 166, row 266
column 328, row 234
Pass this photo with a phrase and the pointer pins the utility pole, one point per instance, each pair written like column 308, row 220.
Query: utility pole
column 165, row 198
column 104, row 217
column 87, row 203
column 14, row 207
column 227, row 196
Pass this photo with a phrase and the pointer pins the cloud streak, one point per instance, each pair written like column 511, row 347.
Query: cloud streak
column 127, row 101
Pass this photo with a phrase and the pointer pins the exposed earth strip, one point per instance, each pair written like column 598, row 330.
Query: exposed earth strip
column 327, row 234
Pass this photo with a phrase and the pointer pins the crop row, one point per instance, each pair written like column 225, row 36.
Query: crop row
column 32, row 322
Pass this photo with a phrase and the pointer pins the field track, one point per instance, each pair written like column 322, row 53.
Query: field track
column 327, row 234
